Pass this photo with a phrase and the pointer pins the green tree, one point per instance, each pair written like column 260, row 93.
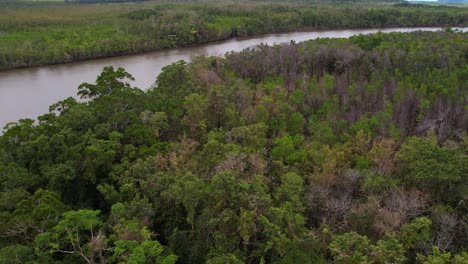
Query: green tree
column 16, row 254
column 439, row 170
column 291, row 190
column 172, row 86
column 108, row 81
column 78, row 234
column 296, row 123
column 417, row 234
column 350, row 248
column 195, row 114
column 32, row 216
column 289, row 149
column 388, row 250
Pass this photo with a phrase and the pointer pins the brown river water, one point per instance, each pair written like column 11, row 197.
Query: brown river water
column 27, row 93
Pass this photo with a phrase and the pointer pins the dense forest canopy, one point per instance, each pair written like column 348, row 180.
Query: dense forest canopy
column 333, row 150
column 39, row 34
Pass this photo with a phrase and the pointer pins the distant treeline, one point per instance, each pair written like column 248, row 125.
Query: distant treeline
column 57, row 33
column 453, row 1
column 102, row 1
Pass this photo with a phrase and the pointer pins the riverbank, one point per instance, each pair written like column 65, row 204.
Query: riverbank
column 208, row 42
column 54, row 34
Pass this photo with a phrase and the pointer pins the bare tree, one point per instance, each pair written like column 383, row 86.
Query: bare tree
column 446, row 230
column 409, row 203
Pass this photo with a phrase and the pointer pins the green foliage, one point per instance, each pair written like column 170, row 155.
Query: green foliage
column 195, row 108
column 253, row 136
column 296, row 123
column 354, row 248
column 294, row 153
column 75, row 234
column 417, row 234
column 291, row 189
column 437, row 169
column 173, row 84
column 224, row 259
column 142, row 14
column 437, row 257
column 81, row 219
column 288, row 149
column 16, row 254
column 375, row 184
column 15, row 176
column 31, row 215
column 107, row 82
column 388, row 250
column 350, row 248
column 130, row 251
column 367, row 43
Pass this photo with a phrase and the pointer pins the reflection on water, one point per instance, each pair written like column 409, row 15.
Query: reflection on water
column 29, row 92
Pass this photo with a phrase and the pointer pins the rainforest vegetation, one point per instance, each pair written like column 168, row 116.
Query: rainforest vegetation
column 333, row 150
column 51, row 33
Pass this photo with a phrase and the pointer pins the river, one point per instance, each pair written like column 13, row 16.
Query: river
column 27, row 93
